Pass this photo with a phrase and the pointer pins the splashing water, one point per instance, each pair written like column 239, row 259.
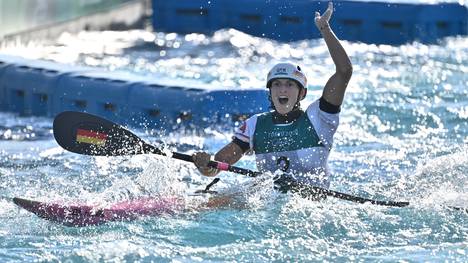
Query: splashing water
column 402, row 136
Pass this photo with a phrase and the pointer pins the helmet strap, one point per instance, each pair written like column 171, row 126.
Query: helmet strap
column 298, row 101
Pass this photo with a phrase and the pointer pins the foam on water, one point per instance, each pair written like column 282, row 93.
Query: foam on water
column 403, row 136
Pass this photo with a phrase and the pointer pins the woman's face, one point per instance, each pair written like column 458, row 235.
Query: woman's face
column 284, row 94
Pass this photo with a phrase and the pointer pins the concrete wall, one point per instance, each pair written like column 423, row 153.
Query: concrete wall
column 30, row 19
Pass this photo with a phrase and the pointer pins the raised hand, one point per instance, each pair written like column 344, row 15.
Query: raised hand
column 321, row 21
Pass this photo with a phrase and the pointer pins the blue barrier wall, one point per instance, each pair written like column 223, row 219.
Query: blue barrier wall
column 369, row 22
column 99, row 93
column 233, row 105
column 5, row 63
column 154, row 105
column 27, row 86
column 38, row 88
column 192, row 16
column 3, row 67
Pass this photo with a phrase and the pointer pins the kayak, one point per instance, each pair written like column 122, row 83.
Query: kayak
column 79, row 215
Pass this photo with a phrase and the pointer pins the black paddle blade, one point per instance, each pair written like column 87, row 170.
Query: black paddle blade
column 88, row 134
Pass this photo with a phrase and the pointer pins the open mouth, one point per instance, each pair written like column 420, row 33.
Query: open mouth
column 283, row 100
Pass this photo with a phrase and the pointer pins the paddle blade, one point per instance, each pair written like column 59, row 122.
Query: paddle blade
column 88, row 134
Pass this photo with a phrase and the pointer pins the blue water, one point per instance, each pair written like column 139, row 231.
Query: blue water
column 403, row 136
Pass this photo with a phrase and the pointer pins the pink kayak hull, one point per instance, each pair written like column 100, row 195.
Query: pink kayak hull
column 88, row 215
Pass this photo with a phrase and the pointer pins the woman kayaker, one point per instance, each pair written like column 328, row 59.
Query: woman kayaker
column 288, row 139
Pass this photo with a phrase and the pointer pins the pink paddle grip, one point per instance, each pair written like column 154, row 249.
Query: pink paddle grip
column 223, row 166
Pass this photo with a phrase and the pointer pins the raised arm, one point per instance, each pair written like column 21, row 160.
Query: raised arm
column 336, row 86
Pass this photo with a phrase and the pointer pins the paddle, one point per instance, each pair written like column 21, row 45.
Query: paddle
column 88, row 134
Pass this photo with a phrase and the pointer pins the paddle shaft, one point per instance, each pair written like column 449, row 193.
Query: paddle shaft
column 188, row 158
column 318, row 190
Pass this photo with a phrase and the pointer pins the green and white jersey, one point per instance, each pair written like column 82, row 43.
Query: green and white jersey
column 300, row 148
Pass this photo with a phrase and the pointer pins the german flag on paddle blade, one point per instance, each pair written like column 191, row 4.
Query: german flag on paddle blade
column 90, row 137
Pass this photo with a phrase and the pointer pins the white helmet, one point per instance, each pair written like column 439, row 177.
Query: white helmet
column 287, row 71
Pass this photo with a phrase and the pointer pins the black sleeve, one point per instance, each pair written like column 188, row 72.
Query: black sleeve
column 328, row 107
column 245, row 146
